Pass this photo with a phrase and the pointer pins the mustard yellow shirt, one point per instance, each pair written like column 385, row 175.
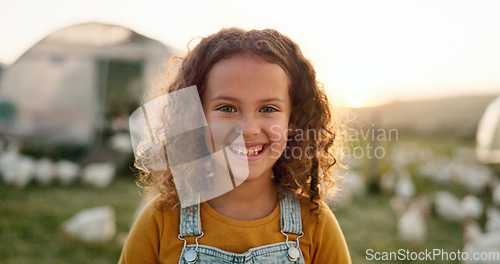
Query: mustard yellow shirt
column 153, row 238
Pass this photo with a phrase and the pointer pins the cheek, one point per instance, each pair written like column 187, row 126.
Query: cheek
column 277, row 129
column 278, row 141
column 278, row 134
column 208, row 115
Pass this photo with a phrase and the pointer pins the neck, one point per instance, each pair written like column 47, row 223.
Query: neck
column 249, row 201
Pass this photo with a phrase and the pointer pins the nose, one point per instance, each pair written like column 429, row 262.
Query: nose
column 249, row 125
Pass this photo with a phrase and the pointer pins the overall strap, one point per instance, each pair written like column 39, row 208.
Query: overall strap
column 190, row 224
column 291, row 221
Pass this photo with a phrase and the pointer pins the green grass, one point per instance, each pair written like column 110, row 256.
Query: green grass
column 369, row 223
column 31, row 218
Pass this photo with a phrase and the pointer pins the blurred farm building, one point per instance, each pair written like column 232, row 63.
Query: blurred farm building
column 68, row 87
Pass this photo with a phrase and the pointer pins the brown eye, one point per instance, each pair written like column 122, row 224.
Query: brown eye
column 226, row 109
column 268, row 109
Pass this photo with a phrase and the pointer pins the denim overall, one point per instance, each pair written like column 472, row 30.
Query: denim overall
column 283, row 252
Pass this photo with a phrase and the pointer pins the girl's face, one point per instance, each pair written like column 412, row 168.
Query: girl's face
column 251, row 93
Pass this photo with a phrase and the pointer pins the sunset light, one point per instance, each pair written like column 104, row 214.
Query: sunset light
column 368, row 52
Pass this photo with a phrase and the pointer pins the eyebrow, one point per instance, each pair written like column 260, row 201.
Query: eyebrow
column 229, row 98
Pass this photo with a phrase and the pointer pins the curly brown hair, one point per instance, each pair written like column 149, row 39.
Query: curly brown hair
column 317, row 130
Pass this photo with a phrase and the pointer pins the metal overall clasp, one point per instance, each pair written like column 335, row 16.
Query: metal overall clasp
column 293, row 252
column 191, row 255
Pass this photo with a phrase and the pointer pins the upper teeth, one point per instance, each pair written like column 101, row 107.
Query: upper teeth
column 246, row 151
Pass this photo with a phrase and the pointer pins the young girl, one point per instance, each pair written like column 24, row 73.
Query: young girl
column 260, row 81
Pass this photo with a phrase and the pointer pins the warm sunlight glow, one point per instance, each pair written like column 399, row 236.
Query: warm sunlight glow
column 356, row 102
column 357, row 85
column 368, row 52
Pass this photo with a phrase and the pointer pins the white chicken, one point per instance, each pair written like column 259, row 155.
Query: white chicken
column 471, row 207
column 388, row 181
column 474, row 178
column 45, row 171
column 493, row 219
column 8, row 164
column 93, row 225
column 448, row 206
column 437, row 170
column 411, row 225
column 478, row 242
column 98, row 174
column 121, row 142
column 17, row 169
column 405, row 188
column 67, row 172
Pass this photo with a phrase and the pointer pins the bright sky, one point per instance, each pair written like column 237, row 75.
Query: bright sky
column 366, row 51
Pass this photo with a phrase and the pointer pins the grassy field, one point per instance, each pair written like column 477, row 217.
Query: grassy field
column 369, row 223
column 30, row 220
column 29, row 225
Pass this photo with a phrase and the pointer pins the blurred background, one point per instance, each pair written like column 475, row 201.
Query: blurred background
column 420, row 79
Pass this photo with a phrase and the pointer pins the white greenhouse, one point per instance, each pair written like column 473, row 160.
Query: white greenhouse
column 69, row 86
column 488, row 134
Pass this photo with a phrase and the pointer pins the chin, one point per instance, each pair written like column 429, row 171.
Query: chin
column 256, row 175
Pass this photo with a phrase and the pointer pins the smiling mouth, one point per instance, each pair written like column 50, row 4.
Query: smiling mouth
column 242, row 150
